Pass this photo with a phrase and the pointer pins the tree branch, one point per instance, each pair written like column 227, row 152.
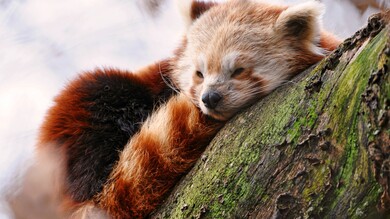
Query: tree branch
column 316, row 147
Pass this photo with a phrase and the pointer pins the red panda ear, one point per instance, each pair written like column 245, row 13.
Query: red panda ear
column 302, row 21
column 193, row 9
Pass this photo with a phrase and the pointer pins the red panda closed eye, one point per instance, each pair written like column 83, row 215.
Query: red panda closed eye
column 267, row 43
column 122, row 155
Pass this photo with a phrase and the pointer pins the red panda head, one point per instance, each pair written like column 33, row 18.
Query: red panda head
column 239, row 51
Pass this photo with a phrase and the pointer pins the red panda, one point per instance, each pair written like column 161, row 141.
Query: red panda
column 123, row 156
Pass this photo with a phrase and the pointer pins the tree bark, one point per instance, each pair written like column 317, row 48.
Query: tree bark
column 317, row 147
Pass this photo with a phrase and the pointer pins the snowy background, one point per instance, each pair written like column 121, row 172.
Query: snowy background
column 45, row 43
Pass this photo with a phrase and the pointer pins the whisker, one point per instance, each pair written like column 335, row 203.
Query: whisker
column 289, row 81
column 169, row 83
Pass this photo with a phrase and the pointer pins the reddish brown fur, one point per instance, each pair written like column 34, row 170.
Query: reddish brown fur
column 198, row 8
column 150, row 165
column 148, row 77
column 70, row 118
column 68, row 103
column 173, row 138
column 328, row 41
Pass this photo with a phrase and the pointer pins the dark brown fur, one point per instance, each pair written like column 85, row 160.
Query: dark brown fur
column 199, row 7
column 95, row 116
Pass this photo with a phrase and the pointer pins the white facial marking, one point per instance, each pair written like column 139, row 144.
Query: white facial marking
column 201, row 63
column 228, row 61
column 185, row 73
column 212, row 80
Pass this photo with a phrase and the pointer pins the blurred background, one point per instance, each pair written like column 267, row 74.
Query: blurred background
column 45, row 43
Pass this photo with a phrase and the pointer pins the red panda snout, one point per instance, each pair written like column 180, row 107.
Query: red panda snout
column 210, row 99
column 221, row 95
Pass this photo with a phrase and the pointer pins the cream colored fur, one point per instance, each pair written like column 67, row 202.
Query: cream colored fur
column 184, row 7
column 250, row 35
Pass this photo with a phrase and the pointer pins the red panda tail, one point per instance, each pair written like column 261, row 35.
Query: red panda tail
column 94, row 117
column 168, row 144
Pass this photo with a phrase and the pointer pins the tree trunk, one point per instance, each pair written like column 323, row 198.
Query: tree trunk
column 317, row 147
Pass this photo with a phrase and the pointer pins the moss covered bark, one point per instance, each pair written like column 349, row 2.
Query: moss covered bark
column 316, row 148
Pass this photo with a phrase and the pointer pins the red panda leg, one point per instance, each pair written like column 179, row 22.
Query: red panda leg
column 168, row 144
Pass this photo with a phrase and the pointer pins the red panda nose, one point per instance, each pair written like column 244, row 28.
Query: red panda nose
column 211, row 99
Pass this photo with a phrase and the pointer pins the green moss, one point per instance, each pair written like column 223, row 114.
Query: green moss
column 222, row 190
column 319, row 179
column 307, row 115
column 363, row 176
column 347, row 94
column 209, row 187
column 368, row 204
column 344, row 110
